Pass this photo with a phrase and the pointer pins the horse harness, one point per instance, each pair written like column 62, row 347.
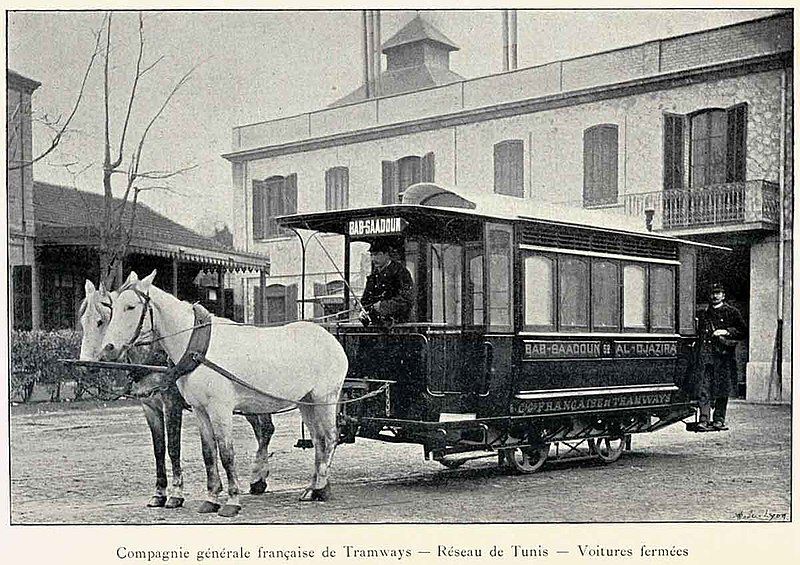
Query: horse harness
column 195, row 354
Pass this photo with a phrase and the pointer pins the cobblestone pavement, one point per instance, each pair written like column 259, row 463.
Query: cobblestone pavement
column 94, row 465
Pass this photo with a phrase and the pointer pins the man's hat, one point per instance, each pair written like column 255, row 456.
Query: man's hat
column 717, row 287
column 380, row 245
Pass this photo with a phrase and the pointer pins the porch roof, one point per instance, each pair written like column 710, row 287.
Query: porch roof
column 66, row 217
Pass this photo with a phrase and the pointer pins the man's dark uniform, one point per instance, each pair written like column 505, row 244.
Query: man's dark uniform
column 718, row 355
column 389, row 294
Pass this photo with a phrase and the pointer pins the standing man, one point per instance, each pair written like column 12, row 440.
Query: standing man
column 721, row 327
column 389, row 293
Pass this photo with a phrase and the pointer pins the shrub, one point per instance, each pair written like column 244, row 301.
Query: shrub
column 34, row 359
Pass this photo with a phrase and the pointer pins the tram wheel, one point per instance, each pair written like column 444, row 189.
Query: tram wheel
column 452, row 463
column 608, row 449
column 527, row 460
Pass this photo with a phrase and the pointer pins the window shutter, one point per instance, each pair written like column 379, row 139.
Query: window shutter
column 600, row 159
column 329, row 190
column 273, row 204
column 610, row 160
column 673, row 151
column 428, row 168
column 588, row 167
column 390, row 188
column 736, row 143
column 291, row 302
column 290, row 194
column 258, row 209
column 336, row 188
column 509, row 167
column 344, row 188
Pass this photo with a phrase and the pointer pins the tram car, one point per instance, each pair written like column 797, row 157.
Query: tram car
column 530, row 336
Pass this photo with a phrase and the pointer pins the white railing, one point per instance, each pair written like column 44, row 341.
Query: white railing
column 717, row 205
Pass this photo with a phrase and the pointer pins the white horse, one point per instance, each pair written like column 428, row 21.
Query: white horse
column 299, row 364
column 162, row 404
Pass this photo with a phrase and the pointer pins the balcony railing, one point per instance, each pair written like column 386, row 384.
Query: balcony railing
column 754, row 201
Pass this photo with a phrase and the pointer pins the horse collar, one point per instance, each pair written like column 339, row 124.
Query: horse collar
column 198, row 342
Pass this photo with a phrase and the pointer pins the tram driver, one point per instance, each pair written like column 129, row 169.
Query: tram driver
column 389, row 293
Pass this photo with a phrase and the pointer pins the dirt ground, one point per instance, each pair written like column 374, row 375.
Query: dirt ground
column 93, row 464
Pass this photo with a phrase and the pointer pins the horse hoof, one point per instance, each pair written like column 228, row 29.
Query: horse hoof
column 229, row 510
column 258, row 487
column 316, row 494
column 174, row 502
column 208, row 507
column 157, row 502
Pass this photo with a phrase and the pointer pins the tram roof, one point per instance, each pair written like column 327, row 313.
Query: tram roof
column 431, row 199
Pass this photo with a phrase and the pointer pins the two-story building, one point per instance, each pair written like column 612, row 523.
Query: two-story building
column 694, row 131
column 19, row 194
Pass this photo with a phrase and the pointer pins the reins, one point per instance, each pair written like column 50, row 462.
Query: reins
column 200, row 358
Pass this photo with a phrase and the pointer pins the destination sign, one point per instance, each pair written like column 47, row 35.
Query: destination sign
column 376, row 226
column 645, row 349
column 598, row 349
column 562, row 349
column 554, row 405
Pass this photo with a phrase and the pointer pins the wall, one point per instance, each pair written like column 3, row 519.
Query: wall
column 19, row 190
column 741, row 41
column 19, row 181
column 553, row 144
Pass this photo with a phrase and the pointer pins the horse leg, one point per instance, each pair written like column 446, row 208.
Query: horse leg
column 263, row 429
column 209, row 445
column 154, row 415
column 222, row 423
column 173, row 417
column 321, row 421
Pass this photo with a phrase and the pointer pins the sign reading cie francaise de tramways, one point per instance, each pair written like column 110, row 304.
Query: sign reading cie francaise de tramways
column 376, row 226
column 598, row 349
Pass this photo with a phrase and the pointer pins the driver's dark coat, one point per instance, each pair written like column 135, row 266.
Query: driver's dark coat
column 393, row 288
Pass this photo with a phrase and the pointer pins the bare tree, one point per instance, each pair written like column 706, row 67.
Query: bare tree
column 119, row 215
column 58, row 126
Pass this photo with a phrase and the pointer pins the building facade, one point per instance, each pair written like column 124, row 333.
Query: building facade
column 691, row 133
column 19, row 194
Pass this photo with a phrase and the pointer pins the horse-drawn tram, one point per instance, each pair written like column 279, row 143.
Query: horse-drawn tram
column 528, row 337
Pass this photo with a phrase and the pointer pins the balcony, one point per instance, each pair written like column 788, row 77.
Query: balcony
column 722, row 207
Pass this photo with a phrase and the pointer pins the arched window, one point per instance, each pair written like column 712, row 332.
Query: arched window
column 399, row 175
column 600, row 157
column 509, row 159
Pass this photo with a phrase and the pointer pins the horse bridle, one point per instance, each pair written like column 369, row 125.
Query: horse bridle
column 145, row 300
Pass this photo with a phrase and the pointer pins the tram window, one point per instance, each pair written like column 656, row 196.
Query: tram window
column 634, row 297
column 539, row 292
column 446, row 265
column 412, row 264
column 474, row 296
column 662, row 298
column 499, row 245
column 573, row 293
column 605, row 295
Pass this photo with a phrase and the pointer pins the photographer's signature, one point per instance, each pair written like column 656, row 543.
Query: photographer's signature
column 762, row 516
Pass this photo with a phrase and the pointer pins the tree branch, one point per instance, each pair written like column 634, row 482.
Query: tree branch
column 132, row 97
column 60, row 133
column 105, row 91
